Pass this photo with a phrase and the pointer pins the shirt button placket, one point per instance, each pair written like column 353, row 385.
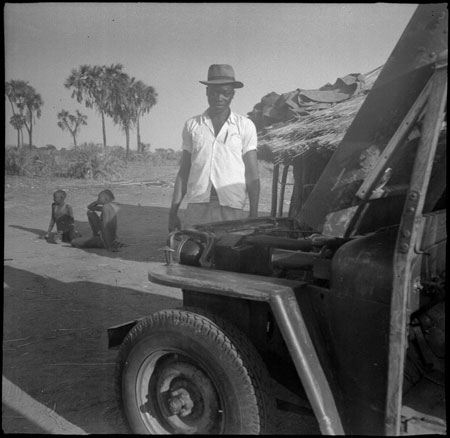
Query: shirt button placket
column 211, row 164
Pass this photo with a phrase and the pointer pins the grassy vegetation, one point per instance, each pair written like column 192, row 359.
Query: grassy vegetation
column 88, row 161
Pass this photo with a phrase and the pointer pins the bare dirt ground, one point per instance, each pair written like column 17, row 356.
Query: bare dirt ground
column 59, row 301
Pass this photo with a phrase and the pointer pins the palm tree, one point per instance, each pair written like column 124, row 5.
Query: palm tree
column 17, row 122
column 26, row 105
column 144, row 99
column 83, row 83
column 92, row 84
column 129, row 100
column 108, row 83
column 17, row 119
column 122, row 105
column 71, row 122
column 33, row 104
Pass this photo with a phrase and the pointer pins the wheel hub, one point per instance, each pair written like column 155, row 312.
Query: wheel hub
column 180, row 397
column 180, row 402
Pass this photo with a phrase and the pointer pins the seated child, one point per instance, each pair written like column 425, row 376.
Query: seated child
column 62, row 216
column 104, row 226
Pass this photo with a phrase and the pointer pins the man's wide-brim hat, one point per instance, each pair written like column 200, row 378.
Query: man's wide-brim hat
column 221, row 74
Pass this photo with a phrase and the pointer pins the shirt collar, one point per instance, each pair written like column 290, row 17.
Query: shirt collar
column 232, row 118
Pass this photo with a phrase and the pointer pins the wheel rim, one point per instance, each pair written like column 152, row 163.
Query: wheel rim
column 176, row 395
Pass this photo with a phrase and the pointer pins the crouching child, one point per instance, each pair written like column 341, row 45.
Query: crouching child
column 102, row 216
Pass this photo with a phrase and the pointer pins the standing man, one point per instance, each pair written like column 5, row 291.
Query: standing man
column 219, row 168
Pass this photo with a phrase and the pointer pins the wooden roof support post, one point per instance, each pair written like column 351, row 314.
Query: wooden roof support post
column 283, row 189
column 273, row 207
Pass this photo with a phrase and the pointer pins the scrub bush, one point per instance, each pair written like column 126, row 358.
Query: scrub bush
column 17, row 161
column 24, row 161
column 91, row 161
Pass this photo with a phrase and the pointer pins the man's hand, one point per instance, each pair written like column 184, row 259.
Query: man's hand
column 179, row 191
column 174, row 222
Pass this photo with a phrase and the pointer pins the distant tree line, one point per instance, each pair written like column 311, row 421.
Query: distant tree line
column 108, row 89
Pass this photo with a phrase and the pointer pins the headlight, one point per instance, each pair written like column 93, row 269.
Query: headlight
column 190, row 252
column 190, row 247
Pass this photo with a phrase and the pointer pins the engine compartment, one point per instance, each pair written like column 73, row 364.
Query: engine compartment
column 349, row 289
column 278, row 247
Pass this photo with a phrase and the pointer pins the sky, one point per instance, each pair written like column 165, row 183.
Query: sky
column 272, row 47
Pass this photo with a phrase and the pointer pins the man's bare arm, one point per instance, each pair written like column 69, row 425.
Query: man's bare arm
column 109, row 226
column 179, row 190
column 95, row 206
column 252, row 181
column 51, row 224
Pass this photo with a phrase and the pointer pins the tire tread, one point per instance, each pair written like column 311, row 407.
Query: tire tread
column 231, row 342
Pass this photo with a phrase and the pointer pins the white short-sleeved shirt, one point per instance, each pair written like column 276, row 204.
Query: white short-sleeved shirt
column 218, row 160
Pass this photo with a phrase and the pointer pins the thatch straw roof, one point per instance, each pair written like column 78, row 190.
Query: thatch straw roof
column 322, row 130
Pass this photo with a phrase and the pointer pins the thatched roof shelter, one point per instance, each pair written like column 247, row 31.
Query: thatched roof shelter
column 320, row 131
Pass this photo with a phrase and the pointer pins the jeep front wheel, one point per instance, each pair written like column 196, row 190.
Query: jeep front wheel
column 182, row 371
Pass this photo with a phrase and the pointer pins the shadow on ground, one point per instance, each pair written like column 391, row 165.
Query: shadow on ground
column 29, row 230
column 55, row 350
column 55, row 346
